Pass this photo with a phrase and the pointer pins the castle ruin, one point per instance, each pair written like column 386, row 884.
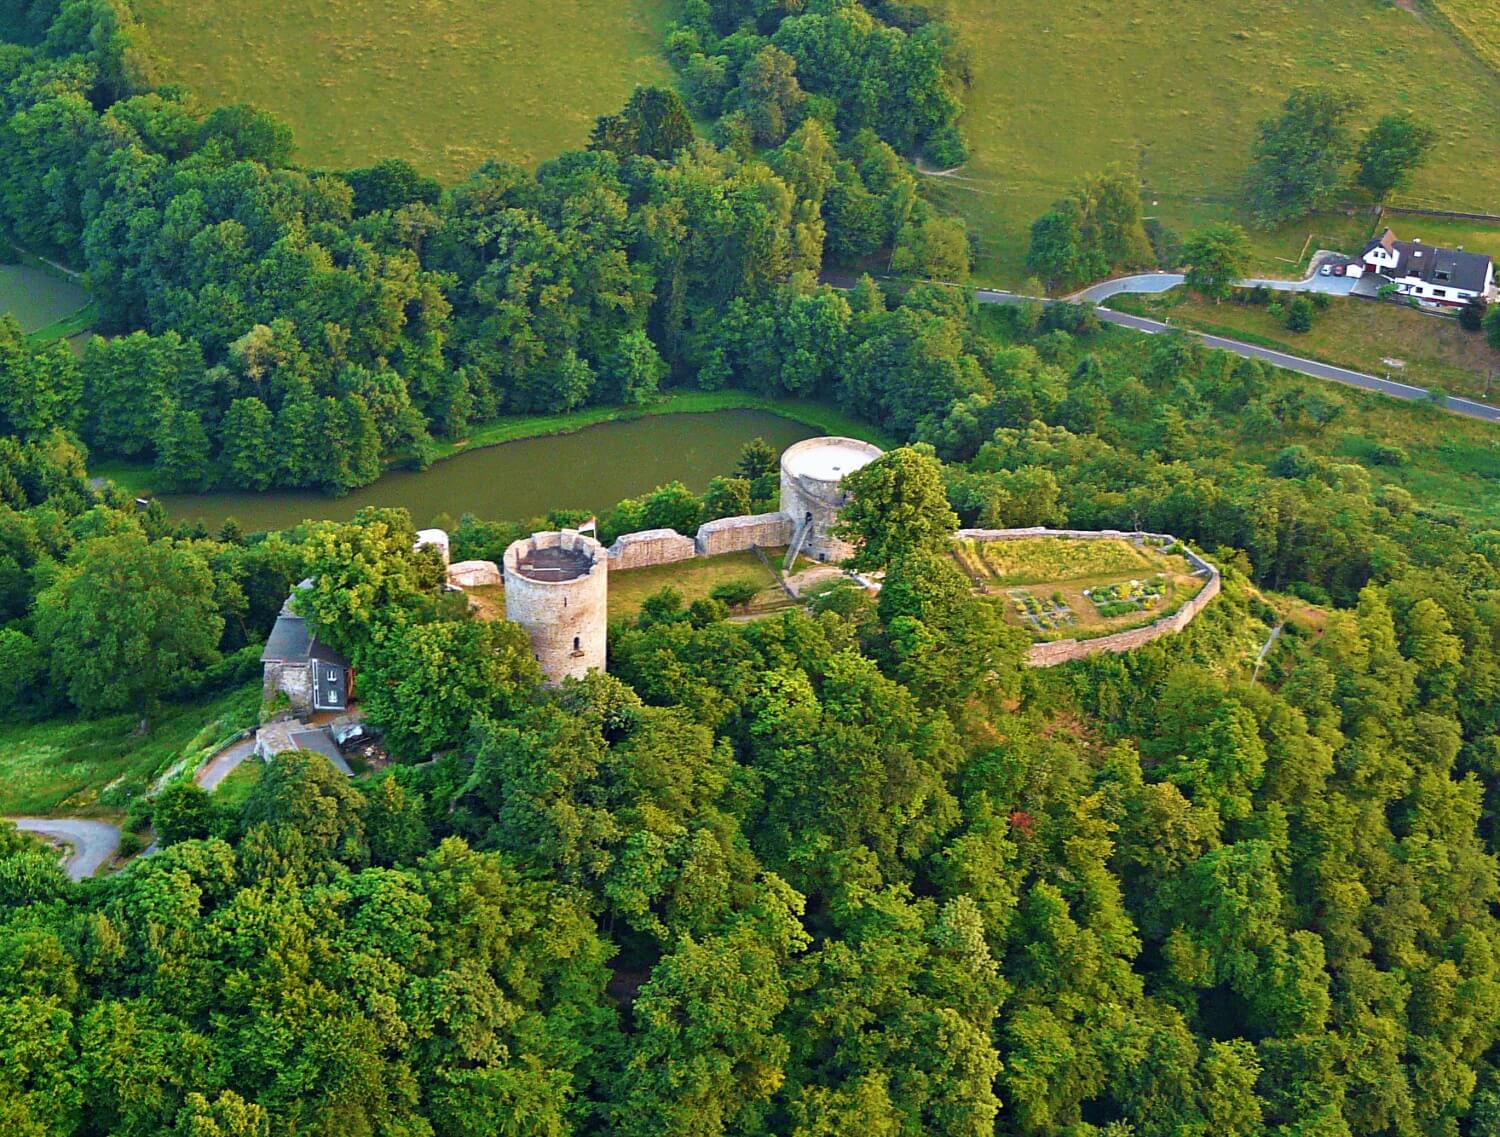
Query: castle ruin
column 557, row 588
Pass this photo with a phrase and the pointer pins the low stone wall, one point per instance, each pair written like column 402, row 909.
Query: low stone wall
column 473, row 574
column 650, row 547
column 737, row 534
column 1064, row 651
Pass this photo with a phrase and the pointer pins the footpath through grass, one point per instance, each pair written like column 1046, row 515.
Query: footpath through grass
column 444, row 84
column 95, row 767
column 1176, row 88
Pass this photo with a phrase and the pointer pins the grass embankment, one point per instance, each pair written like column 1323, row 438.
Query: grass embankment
column 1432, row 350
column 93, row 767
column 238, row 783
column 1176, row 88
column 824, row 416
column 136, row 478
column 444, row 85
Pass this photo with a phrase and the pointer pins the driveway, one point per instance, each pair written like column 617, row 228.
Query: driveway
column 1151, row 282
column 94, row 843
column 219, row 767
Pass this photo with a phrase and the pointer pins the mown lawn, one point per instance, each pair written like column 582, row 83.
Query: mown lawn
column 695, row 579
column 443, row 83
column 1175, row 88
column 1361, row 334
column 94, row 767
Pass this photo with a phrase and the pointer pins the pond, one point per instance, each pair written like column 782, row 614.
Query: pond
column 36, row 297
column 590, row 469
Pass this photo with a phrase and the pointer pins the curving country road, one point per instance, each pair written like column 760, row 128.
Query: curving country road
column 94, row 843
column 1162, row 282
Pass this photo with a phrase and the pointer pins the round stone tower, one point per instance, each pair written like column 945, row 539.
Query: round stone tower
column 810, row 494
column 556, row 587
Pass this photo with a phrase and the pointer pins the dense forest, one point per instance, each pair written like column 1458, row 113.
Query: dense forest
column 850, row 870
column 264, row 311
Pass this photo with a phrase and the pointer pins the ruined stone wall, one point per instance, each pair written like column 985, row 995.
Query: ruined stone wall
column 565, row 619
column 650, row 547
column 737, row 534
column 473, row 574
column 294, row 680
column 1064, row 651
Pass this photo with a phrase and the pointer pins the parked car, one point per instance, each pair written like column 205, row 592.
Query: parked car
column 1338, row 270
column 1326, row 270
column 354, row 735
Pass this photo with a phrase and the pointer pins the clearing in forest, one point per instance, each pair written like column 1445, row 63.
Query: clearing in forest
column 1057, row 587
column 442, row 83
column 1177, row 87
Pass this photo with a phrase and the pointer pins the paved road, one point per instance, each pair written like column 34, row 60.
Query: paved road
column 217, row 768
column 94, row 842
column 1297, row 363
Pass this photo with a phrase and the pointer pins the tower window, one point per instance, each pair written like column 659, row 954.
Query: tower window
column 577, row 644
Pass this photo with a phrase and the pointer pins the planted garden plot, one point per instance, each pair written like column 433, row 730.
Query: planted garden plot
column 1070, row 588
column 1127, row 597
column 1049, row 615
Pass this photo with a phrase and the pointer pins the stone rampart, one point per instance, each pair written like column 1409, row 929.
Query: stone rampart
column 473, row 574
column 1064, row 651
column 650, row 547
column 737, row 534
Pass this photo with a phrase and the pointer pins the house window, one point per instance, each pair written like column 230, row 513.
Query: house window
column 1440, row 292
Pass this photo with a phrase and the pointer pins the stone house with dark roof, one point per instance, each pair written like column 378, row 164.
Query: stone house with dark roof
column 1433, row 276
column 311, row 674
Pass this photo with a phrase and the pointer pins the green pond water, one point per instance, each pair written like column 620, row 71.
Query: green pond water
column 36, row 297
column 591, row 469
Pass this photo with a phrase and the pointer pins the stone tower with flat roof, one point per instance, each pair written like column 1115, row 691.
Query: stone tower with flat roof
column 810, row 494
column 556, row 587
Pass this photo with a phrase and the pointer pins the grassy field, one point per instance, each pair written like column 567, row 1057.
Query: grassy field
column 444, row 83
column 695, row 579
column 1175, row 88
column 1477, row 22
column 92, row 768
column 1360, row 334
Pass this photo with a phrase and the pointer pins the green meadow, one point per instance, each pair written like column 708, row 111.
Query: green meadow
column 1175, row 88
column 443, row 83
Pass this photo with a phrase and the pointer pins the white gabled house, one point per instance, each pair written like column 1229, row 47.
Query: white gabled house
column 1433, row 276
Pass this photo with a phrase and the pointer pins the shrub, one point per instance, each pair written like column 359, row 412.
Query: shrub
column 947, row 148
column 1471, row 317
column 1386, row 454
column 735, row 593
column 1300, row 314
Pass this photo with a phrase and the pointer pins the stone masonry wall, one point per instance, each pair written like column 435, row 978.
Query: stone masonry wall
column 650, row 547
column 1064, row 651
column 737, row 534
column 294, row 679
column 565, row 619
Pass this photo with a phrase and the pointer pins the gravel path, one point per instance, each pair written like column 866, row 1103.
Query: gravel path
column 94, row 843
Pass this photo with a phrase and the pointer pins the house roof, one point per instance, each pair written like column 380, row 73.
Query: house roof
column 292, row 641
column 1433, row 264
column 283, row 737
